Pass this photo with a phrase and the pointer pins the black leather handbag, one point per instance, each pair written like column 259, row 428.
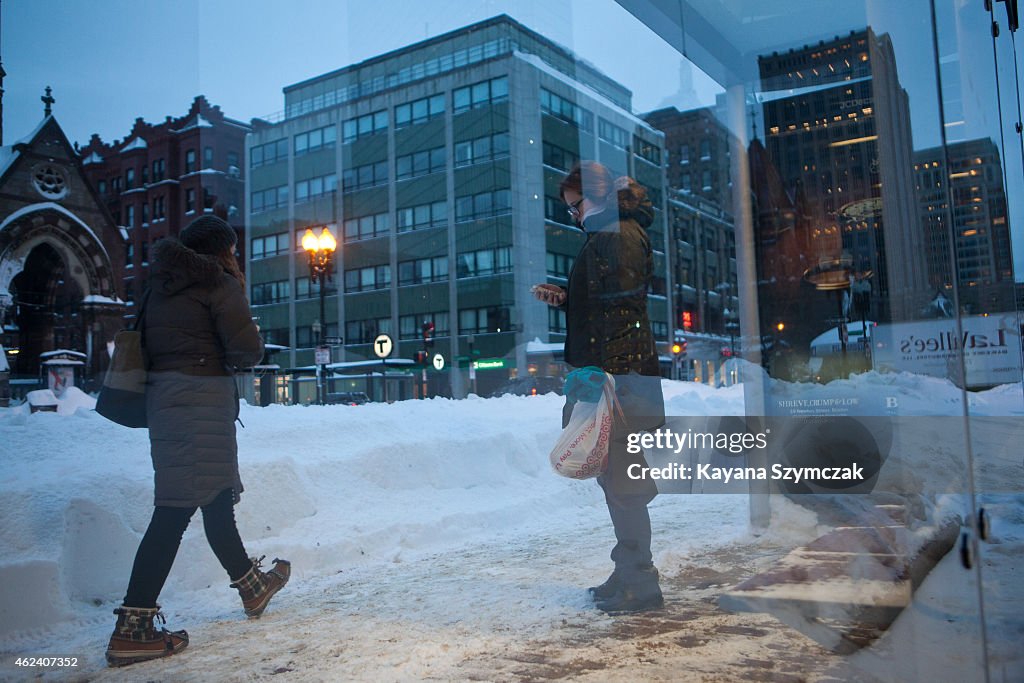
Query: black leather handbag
column 122, row 397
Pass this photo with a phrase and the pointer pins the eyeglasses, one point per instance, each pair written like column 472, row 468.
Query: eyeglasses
column 574, row 209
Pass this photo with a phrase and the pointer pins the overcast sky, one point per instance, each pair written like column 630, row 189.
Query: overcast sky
column 110, row 61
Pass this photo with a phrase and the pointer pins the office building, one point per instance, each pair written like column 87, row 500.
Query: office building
column 974, row 180
column 437, row 166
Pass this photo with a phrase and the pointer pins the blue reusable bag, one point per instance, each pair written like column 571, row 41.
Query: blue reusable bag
column 585, row 385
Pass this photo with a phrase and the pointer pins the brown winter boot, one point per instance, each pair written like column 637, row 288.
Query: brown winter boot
column 257, row 587
column 135, row 639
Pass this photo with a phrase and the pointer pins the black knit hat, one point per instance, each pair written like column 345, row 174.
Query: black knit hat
column 209, row 235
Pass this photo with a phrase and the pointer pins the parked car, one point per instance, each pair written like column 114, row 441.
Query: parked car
column 530, row 386
column 350, row 398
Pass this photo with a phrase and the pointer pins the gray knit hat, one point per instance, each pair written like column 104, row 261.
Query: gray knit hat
column 209, row 235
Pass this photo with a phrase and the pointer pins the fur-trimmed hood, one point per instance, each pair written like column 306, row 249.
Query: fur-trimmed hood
column 176, row 267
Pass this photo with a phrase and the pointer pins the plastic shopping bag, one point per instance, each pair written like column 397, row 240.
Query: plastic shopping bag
column 582, row 449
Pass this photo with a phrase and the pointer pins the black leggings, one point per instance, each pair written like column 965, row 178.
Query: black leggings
column 160, row 546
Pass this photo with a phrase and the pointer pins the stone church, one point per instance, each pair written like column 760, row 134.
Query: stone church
column 61, row 259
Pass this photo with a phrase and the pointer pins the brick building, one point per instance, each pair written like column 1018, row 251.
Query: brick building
column 161, row 176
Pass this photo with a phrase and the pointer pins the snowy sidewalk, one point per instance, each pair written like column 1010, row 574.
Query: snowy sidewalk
column 513, row 608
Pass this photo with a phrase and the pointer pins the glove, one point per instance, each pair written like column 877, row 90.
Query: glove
column 585, row 384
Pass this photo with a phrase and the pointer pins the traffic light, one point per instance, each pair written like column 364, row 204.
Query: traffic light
column 421, row 358
column 679, row 347
column 428, row 334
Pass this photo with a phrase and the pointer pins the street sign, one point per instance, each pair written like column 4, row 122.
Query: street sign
column 382, row 346
column 438, row 361
column 488, row 364
column 323, row 355
column 334, row 341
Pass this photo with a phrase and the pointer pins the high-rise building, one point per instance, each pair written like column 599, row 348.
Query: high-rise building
column 161, row 176
column 703, row 244
column 697, row 153
column 838, row 135
column 974, row 180
column 438, row 165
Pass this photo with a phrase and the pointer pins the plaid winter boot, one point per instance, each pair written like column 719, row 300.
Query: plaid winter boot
column 136, row 639
column 257, row 587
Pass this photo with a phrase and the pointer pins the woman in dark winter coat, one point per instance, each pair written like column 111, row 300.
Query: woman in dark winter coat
column 196, row 328
column 607, row 326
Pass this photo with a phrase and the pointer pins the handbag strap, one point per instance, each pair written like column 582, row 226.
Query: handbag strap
column 142, row 310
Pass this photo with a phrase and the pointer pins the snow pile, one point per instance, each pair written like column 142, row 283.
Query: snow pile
column 341, row 489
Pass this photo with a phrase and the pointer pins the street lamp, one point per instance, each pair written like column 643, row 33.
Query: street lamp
column 732, row 324
column 320, row 250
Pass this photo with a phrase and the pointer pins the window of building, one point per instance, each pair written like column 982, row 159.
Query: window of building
column 310, row 289
column 269, row 153
column 208, row 157
column 158, row 208
column 705, row 180
column 612, row 134
column 144, row 218
column 271, row 198
column 409, row 326
column 145, row 253
column 363, row 126
column 556, row 320
column 145, row 175
column 101, row 187
column 364, row 227
column 481, row 149
column 419, row 111
column 190, row 161
column 483, row 262
column 419, row 271
column 559, row 158
column 208, row 198
column 648, row 151
column 684, row 154
column 270, row 292
column 159, row 170
column 270, row 245
column 115, row 184
column 368, row 175
column 190, row 200
column 566, row 111
column 705, row 150
column 129, row 256
column 559, row 265
column 313, row 140
column 365, row 331
column 422, row 216
column 232, row 161
column 129, row 178
column 369, row 278
column 555, row 210
column 129, row 216
column 480, row 94
column 484, row 320
column 305, row 339
column 315, row 187
column 482, row 205
column 420, row 163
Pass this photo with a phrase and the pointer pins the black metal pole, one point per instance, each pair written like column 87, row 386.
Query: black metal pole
column 322, row 387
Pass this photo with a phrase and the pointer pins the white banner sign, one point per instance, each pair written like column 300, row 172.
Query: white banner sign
column 991, row 348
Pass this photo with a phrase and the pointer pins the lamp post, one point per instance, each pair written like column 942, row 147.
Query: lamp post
column 731, row 325
column 833, row 275
column 320, row 250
